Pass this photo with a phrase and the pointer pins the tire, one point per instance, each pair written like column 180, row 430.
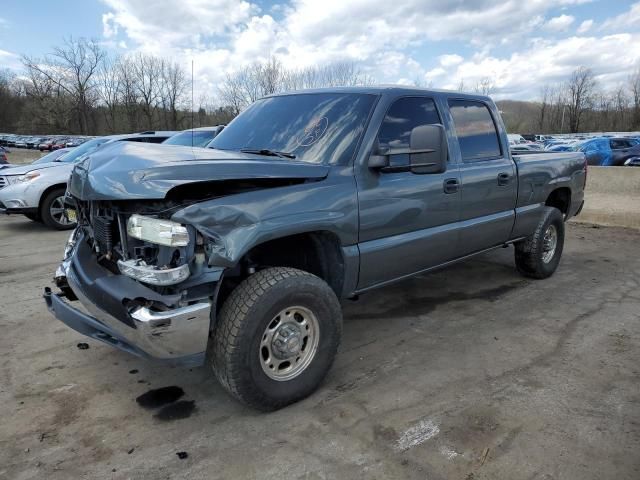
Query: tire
column 34, row 217
column 50, row 212
column 534, row 257
column 258, row 313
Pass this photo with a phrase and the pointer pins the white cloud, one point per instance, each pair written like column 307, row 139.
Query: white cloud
column 109, row 25
column 175, row 23
column 585, row 26
column 522, row 74
column 223, row 35
column 560, row 24
column 628, row 19
column 450, row 59
column 10, row 60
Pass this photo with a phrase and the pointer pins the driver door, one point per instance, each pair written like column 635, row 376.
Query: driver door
column 407, row 220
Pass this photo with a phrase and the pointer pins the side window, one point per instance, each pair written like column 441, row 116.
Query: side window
column 475, row 129
column 620, row 144
column 403, row 116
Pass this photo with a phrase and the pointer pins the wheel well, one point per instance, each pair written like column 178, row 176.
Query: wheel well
column 318, row 253
column 560, row 198
column 48, row 190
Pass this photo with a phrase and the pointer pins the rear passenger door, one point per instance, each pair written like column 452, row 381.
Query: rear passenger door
column 488, row 178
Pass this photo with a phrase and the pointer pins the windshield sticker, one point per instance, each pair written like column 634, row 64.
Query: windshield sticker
column 313, row 132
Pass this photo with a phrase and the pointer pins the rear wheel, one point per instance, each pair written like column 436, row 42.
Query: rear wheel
column 53, row 212
column 539, row 255
column 276, row 337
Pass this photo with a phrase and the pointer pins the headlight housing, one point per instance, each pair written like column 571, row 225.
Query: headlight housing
column 155, row 230
column 27, row 177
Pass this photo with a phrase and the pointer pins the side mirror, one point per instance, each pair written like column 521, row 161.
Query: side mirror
column 428, row 145
column 427, row 153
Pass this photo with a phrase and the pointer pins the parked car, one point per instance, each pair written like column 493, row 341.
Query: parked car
column 34, row 142
column 37, row 191
column 75, row 142
column 11, row 141
column 196, row 137
column 20, row 142
column 609, row 151
column 47, row 144
column 244, row 250
column 526, row 147
column 515, row 139
column 59, row 143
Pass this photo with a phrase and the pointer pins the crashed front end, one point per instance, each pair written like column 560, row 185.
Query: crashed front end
column 142, row 281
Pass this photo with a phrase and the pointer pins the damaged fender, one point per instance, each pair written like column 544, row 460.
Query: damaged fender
column 234, row 224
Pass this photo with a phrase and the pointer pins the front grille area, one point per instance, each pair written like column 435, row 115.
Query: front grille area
column 104, row 231
column 3, row 182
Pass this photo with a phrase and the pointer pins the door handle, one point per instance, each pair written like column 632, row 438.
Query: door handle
column 503, row 179
column 451, row 185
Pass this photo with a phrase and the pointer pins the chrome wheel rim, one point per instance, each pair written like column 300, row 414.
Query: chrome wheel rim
column 58, row 212
column 289, row 343
column 549, row 243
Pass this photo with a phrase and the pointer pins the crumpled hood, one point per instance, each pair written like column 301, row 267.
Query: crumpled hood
column 22, row 169
column 130, row 170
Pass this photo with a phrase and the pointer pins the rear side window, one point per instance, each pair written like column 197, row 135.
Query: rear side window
column 619, row 144
column 476, row 131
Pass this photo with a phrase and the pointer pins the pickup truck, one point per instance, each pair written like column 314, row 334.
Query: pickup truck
column 239, row 256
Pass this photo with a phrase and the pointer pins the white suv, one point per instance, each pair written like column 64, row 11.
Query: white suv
column 37, row 190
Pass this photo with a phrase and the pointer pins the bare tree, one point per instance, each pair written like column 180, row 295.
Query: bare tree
column 264, row 78
column 581, row 88
column 484, row 86
column 109, row 89
column 172, row 91
column 545, row 97
column 72, row 68
column 634, row 87
column 147, row 72
column 128, row 92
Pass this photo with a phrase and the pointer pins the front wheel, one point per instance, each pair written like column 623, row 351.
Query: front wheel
column 53, row 212
column 276, row 337
column 538, row 256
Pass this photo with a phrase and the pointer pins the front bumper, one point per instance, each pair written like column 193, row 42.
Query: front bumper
column 116, row 312
column 18, row 211
column 20, row 197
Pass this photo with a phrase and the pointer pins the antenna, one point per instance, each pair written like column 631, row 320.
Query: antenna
column 192, row 103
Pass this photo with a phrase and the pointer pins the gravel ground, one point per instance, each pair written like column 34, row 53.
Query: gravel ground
column 21, row 156
column 470, row 373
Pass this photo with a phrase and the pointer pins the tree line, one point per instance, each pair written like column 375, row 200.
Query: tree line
column 79, row 89
column 578, row 105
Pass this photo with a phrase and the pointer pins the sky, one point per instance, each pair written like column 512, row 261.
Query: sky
column 519, row 44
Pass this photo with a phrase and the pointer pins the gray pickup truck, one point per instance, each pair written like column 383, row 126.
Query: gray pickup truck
column 239, row 255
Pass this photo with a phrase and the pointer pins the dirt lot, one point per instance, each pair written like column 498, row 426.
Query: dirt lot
column 470, row 373
column 20, row 156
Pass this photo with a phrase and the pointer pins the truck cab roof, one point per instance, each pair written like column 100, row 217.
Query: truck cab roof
column 388, row 90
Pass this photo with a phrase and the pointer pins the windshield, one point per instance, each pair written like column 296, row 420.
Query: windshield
column 86, row 147
column 56, row 155
column 315, row 127
column 199, row 138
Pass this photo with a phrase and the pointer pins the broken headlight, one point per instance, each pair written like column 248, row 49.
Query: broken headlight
column 155, row 230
